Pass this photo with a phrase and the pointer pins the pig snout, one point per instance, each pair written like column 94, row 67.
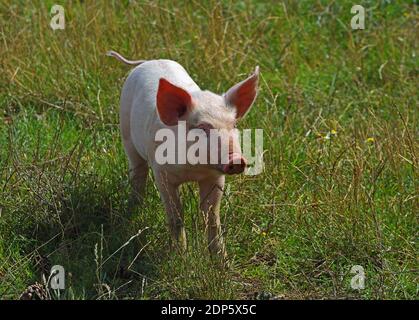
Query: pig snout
column 236, row 164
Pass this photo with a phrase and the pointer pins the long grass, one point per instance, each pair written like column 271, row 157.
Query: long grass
column 338, row 108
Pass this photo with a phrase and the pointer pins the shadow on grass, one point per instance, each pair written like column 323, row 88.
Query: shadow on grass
column 109, row 251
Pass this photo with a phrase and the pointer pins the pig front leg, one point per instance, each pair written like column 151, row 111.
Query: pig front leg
column 169, row 194
column 211, row 191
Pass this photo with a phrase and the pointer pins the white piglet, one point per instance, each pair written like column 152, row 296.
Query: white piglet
column 159, row 94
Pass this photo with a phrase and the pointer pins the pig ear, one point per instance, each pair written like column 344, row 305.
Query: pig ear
column 243, row 94
column 172, row 102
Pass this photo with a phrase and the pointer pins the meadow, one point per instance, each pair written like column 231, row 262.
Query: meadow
column 338, row 108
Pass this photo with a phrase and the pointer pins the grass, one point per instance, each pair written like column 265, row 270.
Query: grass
column 339, row 111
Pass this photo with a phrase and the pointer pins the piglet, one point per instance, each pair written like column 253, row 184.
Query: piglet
column 159, row 94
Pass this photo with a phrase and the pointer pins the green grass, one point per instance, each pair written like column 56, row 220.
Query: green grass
column 321, row 205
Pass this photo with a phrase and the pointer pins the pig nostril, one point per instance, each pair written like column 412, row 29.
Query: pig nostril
column 235, row 165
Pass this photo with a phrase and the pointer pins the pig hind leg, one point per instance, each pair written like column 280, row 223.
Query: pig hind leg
column 138, row 171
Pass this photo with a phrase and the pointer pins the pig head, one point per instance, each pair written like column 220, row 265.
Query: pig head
column 159, row 96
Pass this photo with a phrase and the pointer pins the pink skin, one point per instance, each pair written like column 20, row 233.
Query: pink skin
column 159, row 93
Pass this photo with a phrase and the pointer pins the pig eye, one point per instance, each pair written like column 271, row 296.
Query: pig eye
column 206, row 127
